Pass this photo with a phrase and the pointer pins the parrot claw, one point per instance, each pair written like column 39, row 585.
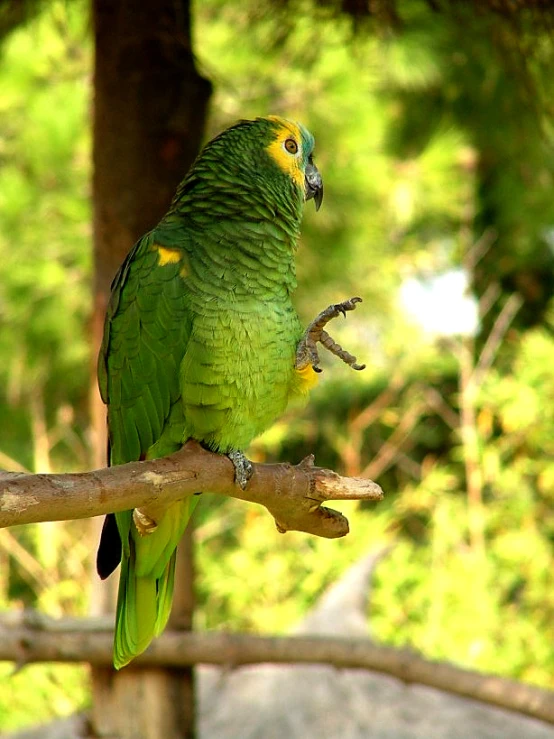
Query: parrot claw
column 144, row 523
column 243, row 468
column 306, row 352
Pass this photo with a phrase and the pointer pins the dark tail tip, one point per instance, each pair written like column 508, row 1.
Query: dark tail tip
column 109, row 549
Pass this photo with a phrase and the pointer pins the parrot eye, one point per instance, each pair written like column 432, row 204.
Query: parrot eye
column 291, row 146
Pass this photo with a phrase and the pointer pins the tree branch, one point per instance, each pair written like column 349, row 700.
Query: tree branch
column 34, row 638
column 292, row 494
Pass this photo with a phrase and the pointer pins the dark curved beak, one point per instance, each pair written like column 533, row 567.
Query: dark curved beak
column 313, row 184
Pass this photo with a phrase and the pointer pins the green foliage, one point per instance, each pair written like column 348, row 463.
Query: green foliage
column 252, row 579
column 40, row 693
column 488, row 608
column 45, row 302
column 44, row 230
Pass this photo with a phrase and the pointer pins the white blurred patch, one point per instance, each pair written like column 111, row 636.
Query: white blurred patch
column 441, row 304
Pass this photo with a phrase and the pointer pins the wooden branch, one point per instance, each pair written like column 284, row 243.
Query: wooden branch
column 25, row 639
column 292, row 494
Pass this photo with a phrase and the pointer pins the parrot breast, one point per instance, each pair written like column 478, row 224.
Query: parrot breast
column 238, row 371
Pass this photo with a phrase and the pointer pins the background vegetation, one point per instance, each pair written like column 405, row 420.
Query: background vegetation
column 435, row 146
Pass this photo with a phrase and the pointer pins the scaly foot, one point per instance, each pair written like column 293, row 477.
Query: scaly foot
column 243, row 468
column 144, row 523
column 306, row 352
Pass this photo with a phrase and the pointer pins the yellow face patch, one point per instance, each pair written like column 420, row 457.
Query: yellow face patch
column 168, row 256
column 287, row 162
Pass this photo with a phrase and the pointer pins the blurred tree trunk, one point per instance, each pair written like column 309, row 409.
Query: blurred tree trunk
column 149, row 112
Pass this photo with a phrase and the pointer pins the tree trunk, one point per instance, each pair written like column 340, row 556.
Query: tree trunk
column 150, row 106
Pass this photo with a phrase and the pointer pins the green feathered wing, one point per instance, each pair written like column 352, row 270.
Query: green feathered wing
column 146, row 334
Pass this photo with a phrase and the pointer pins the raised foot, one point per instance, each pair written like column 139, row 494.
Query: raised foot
column 306, row 352
column 243, row 468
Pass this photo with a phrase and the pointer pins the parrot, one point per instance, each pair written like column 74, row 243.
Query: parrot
column 201, row 341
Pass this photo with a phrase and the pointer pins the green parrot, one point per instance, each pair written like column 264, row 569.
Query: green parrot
column 201, row 341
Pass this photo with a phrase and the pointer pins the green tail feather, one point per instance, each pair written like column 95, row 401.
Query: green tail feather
column 165, row 595
column 146, row 580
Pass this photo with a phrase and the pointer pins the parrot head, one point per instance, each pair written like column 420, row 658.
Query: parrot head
column 269, row 156
column 291, row 149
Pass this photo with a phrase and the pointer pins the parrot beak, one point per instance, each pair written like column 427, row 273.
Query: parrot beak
column 313, row 184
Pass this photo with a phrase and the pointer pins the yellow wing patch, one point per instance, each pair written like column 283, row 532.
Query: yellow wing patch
column 168, row 256
column 289, row 163
column 306, row 378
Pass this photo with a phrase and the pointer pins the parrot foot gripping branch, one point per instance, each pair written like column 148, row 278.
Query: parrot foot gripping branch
column 243, row 468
